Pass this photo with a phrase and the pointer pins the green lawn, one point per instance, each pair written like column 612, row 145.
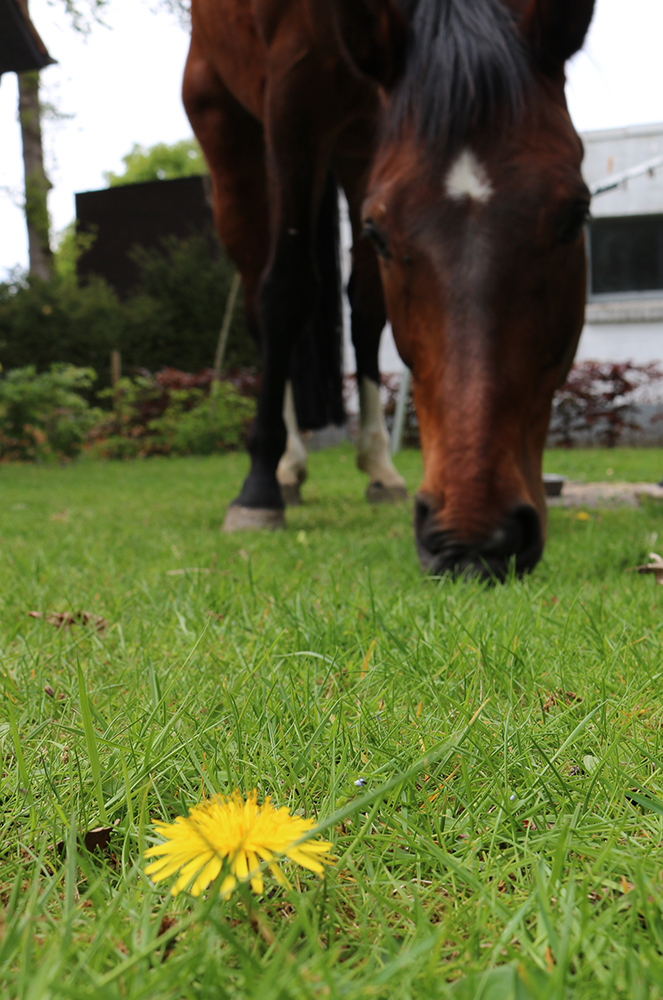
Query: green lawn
column 521, row 854
column 628, row 465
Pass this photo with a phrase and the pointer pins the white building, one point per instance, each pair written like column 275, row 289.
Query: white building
column 624, row 319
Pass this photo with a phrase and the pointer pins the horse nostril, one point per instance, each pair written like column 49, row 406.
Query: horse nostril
column 427, row 535
column 519, row 537
column 421, row 514
column 517, row 542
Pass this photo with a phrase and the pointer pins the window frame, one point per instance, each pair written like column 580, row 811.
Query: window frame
column 621, row 296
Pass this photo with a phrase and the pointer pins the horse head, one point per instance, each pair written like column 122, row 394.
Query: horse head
column 476, row 207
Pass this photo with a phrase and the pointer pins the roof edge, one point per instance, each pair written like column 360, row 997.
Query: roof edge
column 30, row 52
column 624, row 132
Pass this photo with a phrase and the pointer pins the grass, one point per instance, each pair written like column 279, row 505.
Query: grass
column 505, row 836
column 627, row 465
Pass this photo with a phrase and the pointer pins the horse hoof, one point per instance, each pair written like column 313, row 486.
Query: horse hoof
column 252, row 519
column 291, row 494
column 379, row 493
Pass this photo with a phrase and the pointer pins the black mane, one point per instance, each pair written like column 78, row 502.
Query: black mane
column 466, row 69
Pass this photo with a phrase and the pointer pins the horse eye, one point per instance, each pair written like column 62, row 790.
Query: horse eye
column 572, row 226
column 377, row 238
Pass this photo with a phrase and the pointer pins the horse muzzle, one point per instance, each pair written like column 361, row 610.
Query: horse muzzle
column 515, row 545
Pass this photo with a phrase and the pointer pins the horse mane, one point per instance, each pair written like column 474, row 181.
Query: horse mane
column 466, row 68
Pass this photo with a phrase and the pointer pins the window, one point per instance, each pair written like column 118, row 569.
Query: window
column 625, row 255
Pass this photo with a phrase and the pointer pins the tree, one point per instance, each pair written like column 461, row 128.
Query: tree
column 159, row 163
column 82, row 14
column 37, row 184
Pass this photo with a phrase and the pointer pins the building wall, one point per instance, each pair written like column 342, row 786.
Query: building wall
column 615, row 150
column 638, row 342
column 628, row 327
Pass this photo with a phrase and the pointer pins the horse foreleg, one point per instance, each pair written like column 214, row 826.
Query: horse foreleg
column 233, row 144
column 386, row 485
column 291, row 471
column 368, row 319
column 298, row 163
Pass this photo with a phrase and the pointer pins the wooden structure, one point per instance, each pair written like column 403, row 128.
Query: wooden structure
column 131, row 215
column 21, row 48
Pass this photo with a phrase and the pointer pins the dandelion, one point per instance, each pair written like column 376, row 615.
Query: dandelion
column 226, row 830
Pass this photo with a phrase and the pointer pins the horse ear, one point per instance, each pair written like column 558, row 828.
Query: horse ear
column 375, row 35
column 556, row 30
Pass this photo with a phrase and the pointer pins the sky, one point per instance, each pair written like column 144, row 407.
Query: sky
column 121, row 85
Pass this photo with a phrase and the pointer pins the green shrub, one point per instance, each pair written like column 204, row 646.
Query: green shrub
column 173, row 319
column 42, row 323
column 172, row 412
column 217, row 423
column 44, row 415
column 72, row 244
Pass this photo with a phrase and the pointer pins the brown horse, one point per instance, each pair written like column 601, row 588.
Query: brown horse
column 445, row 123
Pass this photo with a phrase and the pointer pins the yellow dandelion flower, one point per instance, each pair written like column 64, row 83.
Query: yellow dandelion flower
column 227, row 830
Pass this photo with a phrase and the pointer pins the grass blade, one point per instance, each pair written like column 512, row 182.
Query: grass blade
column 91, row 742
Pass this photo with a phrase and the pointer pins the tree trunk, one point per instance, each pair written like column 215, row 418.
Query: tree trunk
column 37, row 184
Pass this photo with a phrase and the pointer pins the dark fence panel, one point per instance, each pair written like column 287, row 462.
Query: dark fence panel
column 144, row 215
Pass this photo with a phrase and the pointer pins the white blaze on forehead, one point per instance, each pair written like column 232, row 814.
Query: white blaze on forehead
column 467, row 178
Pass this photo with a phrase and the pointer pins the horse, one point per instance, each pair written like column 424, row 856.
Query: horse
column 445, row 124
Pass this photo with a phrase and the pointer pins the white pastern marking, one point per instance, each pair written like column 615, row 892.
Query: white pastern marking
column 373, row 442
column 467, row 178
column 292, row 467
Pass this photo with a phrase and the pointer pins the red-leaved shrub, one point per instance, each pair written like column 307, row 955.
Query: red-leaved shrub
column 600, row 398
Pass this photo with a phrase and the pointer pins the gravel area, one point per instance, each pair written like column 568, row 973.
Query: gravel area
column 592, row 495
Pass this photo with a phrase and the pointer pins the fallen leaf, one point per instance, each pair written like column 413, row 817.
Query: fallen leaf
column 626, row 885
column 64, row 619
column 655, row 567
column 50, row 693
column 560, row 697
column 96, row 839
column 166, row 924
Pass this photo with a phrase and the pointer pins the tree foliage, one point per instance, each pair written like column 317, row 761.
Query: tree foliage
column 83, row 13
column 161, row 162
